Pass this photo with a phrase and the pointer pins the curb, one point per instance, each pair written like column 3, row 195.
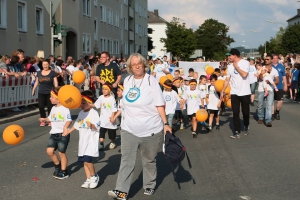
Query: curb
column 19, row 116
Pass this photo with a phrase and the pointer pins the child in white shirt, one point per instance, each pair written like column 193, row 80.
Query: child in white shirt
column 88, row 125
column 213, row 103
column 203, row 89
column 108, row 106
column 263, row 71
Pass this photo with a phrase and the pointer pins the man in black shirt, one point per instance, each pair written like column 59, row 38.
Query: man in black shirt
column 108, row 72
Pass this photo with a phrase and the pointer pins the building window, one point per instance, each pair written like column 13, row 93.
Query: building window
column 126, row 48
column 136, row 48
column 102, row 13
column 116, row 48
column 136, row 7
column 116, row 19
column 111, row 47
column 103, row 44
column 22, row 16
column 86, row 7
column 96, row 3
column 3, row 13
column 126, row 24
column 121, row 11
column 39, row 20
column 96, row 29
column 109, row 16
column 86, row 43
column 136, row 28
column 122, row 36
column 126, row 2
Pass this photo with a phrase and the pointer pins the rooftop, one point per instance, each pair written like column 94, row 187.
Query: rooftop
column 296, row 16
column 153, row 17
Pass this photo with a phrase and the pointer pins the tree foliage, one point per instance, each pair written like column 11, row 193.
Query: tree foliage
column 180, row 40
column 274, row 45
column 291, row 39
column 212, row 38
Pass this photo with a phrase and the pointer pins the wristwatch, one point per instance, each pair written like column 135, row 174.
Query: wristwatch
column 166, row 123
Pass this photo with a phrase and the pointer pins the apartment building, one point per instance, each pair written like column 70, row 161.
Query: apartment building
column 93, row 26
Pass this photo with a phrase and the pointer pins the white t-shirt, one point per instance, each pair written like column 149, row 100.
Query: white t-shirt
column 252, row 72
column 181, row 91
column 159, row 71
column 213, row 99
column 58, row 116
column 193, row 100
column 88, row 138
column 272, row 75
column 71, row 69
column 108, row 106
column 203, row 88
column 239, row 86
column 140, row 115
column 172, row 100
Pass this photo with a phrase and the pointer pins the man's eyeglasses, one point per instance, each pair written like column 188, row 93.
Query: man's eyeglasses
column 267, row 59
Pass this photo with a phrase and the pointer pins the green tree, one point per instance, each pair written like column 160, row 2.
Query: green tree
column 274, row 46
column 291, row 39
column 180, row 40
column 212, row 38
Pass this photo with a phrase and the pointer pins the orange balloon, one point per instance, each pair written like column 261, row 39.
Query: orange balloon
column 169, row 76
column 228, row 103
column 69, row 96
column 78, row 77
column 210, row 70
column 219, row 84
column 163, row 79
column 227, row 90
column 201, row 115
column 225, row 98
column 13, row 134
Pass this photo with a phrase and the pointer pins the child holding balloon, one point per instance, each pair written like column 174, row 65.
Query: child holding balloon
column 88, row 125
column 60, row 119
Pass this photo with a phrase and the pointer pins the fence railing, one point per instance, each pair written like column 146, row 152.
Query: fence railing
column 15, row 92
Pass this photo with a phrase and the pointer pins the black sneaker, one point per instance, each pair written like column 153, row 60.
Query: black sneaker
column 209, row 128
column 273, row 117
column 148, row 191
column 56, row 170
column 277, row 116
column 269, row 124
column 252, row 103
column 194, row 134
column 218, row 127
column 246, row 130
column 236, row 135
column 116, row 194
column 62, row 175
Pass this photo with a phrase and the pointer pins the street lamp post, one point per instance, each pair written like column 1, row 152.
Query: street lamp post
column 254, row 31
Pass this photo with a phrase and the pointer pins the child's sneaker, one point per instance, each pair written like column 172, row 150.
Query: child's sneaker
column 181, row 126
column 112, row 145
column 194, row 134
column 94, row 180
column 266, row 94
column 56, row 170
column 101, row 146
column 218, row 127
column 49, row 123
column 62, row 175
column 148, row 191
column 209, row 128
column 42, row 124
column 86, row 184
column 116, row 194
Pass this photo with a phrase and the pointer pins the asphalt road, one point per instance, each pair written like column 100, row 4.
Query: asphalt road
column 263, row 165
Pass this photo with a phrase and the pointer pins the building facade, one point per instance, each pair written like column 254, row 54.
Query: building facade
column 158, row 26
column 294, row 20
column 93, row 26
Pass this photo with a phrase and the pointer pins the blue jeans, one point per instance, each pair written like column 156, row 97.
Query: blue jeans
column 260, row 106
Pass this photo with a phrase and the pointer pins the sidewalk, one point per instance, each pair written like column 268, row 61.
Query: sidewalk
column 14, row 116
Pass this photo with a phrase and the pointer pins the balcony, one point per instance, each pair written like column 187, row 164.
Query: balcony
column 131, row 12
column 131, row 35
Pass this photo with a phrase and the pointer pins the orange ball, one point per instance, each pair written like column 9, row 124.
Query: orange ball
column 69, row 96
column 78, row 77
column 163, row 79
column 201, row 115
column 210, row 70
column 228, row 103
column 227, row 90
column 13, row 134
column 169, row 76
column 219, row 84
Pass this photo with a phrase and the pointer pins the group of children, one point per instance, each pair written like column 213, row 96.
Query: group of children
column 91, row 131
column 186, row 96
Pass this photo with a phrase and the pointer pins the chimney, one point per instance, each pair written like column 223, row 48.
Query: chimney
column 298, row 11
column 156, row 12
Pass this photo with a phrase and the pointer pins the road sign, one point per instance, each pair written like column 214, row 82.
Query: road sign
column 55, row 4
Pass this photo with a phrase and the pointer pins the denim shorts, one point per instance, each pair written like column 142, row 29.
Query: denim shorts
column 59, row 142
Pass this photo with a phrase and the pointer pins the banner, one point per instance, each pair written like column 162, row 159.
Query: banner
column 197, row 66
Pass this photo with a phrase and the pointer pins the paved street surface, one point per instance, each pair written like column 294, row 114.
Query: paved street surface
column 263, row 165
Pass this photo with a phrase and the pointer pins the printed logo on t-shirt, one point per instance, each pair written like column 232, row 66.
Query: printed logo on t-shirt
column 251, row 69
column 57, row 117
column 168, row 98
column 132, row 95
column 159, row 69
column 107, row 75
column 69, row 116
column 236, row 72
column 194, row 96
column 106, row 105
column 82, row 123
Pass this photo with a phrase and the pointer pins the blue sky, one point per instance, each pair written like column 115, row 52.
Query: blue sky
column 241, row 16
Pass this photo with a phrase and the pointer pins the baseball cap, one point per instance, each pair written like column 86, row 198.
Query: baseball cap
column 160, row 58
column 233, row 52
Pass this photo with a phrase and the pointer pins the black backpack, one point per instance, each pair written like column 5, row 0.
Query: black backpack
column 174, row 150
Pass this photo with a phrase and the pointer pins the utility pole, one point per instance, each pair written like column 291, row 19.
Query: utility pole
column 52, row 30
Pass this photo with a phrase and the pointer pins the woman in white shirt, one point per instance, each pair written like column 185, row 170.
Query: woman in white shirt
column 143, row 123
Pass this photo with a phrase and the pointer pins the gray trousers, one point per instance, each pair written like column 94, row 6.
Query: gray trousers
column 148, row 147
